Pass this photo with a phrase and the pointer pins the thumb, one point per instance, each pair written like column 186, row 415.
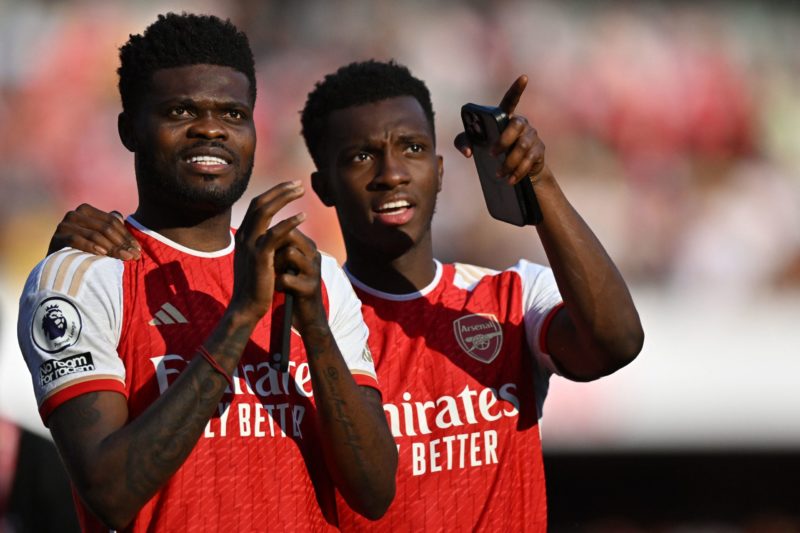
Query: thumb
column 462, row 144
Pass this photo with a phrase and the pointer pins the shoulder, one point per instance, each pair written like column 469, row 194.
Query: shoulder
column 530, row 284
column 330, row 271
column 525, row 268
column 69, row 272
column 467, row 276
column 335, row 283
column 329, row 263
column 66, row 286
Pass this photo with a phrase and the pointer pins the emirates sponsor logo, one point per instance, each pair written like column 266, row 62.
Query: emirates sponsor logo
column 479, row 335
column 265, row 403
column 451, row 432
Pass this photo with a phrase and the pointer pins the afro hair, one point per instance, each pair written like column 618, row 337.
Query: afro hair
column 181, row 40
column 356, row 84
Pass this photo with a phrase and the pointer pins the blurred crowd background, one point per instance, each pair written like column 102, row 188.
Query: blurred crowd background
column 674, row 128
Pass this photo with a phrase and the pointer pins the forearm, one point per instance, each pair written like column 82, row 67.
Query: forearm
column 597, row 300
column 118, row 474
column 358, row 446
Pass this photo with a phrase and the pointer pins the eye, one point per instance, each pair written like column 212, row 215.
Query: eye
column 361, row 157
column 235, row 114
column 178, row 111
column 416, row 148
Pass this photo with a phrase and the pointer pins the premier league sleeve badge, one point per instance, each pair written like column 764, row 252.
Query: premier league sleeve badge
column 56, row 325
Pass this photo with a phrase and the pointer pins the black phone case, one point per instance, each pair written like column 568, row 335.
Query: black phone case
column 516, row 205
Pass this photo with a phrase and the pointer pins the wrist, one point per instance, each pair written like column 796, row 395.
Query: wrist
column 237, row 318
column 311, row 318
column 544, row 178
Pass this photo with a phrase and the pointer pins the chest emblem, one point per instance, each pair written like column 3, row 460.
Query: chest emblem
column 480, row 336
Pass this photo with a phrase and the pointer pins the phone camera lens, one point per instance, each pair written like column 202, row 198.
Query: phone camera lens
column 474, row 127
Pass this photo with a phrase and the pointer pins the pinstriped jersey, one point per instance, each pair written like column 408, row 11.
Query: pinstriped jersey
column 90, row 323
column 464, row 373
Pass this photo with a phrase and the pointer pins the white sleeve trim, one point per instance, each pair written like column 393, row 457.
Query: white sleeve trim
column 345, row 319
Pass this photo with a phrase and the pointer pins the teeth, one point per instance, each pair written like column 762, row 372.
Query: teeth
column 207, row 160
column 389, row 206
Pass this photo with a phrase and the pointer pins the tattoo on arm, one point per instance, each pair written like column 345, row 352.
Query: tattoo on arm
column 166, row 442
column 339, row 415
column 164, row 445
column 83, row 414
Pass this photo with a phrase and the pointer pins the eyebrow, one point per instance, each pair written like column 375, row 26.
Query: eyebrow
column 191, row 102
column 373, row 140
column 414, row 137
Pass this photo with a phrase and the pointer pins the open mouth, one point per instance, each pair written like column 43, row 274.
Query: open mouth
column 206, row 160
column 393, row 208
column 207, row 164
column 394, row 213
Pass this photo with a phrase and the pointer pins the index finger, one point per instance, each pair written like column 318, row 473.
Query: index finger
column 513, row 94
column 264, row 206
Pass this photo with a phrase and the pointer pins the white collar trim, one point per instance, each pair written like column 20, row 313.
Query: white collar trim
column 172, row 244
column 398, row 297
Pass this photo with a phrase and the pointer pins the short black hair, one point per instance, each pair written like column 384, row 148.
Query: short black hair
column 356, row 84
column 177, row 41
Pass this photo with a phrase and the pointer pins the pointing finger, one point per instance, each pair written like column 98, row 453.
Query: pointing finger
column 513, row 94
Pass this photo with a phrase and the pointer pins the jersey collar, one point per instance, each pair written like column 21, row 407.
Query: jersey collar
column 397, row 297
column 181, row 248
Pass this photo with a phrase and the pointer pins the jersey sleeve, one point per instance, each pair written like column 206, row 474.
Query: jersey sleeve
column 70, row 319
column 540, row 300
column 347, row 323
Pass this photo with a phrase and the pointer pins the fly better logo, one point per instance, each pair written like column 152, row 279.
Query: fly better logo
column 479, row 335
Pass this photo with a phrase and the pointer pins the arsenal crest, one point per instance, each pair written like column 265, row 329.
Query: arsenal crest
column 479, row 335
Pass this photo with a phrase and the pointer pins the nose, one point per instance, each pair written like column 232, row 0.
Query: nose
column 392, row 172
column 207, row 126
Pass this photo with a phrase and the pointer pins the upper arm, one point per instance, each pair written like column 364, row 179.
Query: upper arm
column 80, row 425
column 69, row 326
column 541, row 302
column 373, row 398
column 574, row 359
column 551, row 333
column 566, row 352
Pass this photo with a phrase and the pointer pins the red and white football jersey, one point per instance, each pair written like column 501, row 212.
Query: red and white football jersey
column 464, row 375
column 90, row 323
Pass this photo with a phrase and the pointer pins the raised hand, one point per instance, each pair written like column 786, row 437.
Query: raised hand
column 256, row 247
column 519, row 141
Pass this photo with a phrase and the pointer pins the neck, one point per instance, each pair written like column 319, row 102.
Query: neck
column 204, row 232
column 411, row 271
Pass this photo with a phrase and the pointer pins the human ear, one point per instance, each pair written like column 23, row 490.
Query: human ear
column 440, row 171
column 319, row 182
column 125, row 130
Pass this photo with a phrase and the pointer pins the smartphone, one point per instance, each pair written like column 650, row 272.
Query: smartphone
column 515, row 204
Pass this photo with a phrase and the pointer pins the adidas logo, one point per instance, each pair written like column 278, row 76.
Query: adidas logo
column 168, row 315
